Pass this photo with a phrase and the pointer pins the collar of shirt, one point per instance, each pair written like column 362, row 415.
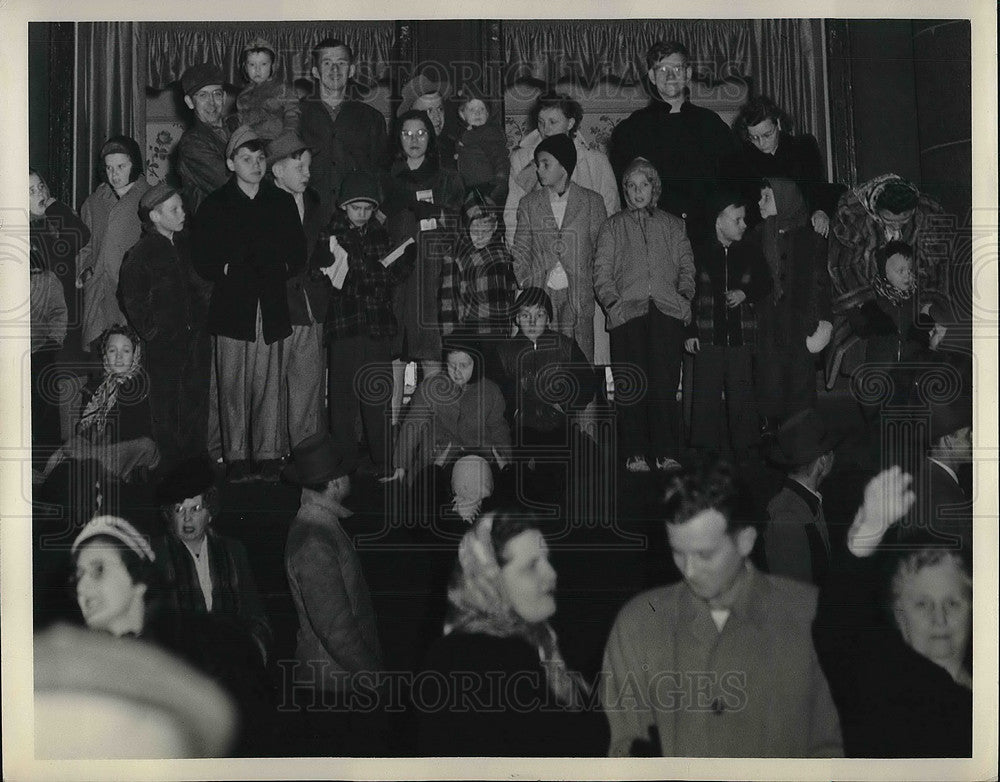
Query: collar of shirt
column 945, row 467
column 813, row 492
column 555, row 197
column 200, row 548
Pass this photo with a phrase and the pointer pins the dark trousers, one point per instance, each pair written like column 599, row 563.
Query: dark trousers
column 647, row 351
column 178, row 395
column 361, row 374
column 718, row 369
column 785, row 380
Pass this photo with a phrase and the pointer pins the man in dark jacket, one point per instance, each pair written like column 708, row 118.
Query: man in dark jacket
column 166, row 302
column 201, row 151
column 289, row 159
column 344, row 134
column 731, row 277
column 684, row 141
column 248, row 240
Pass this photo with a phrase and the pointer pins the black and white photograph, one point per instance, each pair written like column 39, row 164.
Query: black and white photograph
column 606, row 393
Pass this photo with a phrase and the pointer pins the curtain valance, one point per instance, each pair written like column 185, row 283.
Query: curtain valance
column 779, row 56
column 174, row 46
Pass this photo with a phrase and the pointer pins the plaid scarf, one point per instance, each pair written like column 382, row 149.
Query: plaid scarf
column 95, row 414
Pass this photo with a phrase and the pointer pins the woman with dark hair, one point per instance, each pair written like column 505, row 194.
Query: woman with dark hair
column 422, row 202
column 206, row 572
column 115, row 426
column 768, row 149
column 119, row 592
column 883, row 210
column 111, row 213
column 523, row 700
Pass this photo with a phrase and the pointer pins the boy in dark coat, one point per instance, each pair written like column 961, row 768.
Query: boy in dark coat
column 165, row 303
column 248, row 240
column 731, row 277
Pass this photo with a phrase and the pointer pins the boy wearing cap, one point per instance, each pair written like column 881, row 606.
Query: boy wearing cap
column 248, row 241
column 266, row 104
column 166, row 302
column 557, row 228
column 289, row 160
column 360, row 323
column 201, row 151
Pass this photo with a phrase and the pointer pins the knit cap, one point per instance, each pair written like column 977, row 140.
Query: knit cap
column 562, row 148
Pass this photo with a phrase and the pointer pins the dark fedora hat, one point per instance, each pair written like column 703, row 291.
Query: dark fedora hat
column 188, row 479
column 318, row 459
column 802, row 438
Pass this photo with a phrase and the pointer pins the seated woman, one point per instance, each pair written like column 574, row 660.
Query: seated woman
column 119, row 592
column 497, row 635
column 206, row 572
column 893, row 636
column 546, row 381
column 455, row 426
column 115, row 428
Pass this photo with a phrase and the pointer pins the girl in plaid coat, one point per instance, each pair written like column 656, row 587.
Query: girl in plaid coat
column 477, row 277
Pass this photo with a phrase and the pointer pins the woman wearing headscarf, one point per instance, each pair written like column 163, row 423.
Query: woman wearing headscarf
column 505, row 688
column 794, row 320
column 115, row 427
column 111, row 213
column 885, row 209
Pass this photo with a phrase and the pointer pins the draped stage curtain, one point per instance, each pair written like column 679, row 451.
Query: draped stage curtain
column 111, row 95
column 174, row 46
column 780, row 57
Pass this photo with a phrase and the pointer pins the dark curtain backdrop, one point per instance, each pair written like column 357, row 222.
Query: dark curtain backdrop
column 781, row 57
column 111, row 96
column 174, row 46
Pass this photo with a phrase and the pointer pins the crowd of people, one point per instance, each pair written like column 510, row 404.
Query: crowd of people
column 253, row 320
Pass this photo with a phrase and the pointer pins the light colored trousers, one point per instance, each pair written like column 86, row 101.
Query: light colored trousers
column 305, row 382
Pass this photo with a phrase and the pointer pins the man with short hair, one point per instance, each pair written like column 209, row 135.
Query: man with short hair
column 201, row 151
column 344, row 134
column 797, row 539
column 684, row 141
column 166, row 303
column 721, row 664
column 304, row 365
column 248, row 241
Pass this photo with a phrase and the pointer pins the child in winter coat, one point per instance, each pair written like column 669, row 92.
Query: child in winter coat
column 482, row 149
column 266, row 104
column 644, row 278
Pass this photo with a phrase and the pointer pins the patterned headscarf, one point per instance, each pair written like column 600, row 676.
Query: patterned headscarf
column 869, row 193
column 95, row 414
column 477, row 604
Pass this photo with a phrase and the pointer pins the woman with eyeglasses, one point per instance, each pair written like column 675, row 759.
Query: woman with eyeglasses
column 207, row 573
column 768, row 149
column 422, row 202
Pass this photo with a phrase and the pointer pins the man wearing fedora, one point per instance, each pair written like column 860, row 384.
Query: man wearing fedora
column 201, row 151
column 303, row 366
column 337, row 651
column 344, row 134
column 796, row 537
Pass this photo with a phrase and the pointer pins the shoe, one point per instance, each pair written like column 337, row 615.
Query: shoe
column 637, row 464
column 666, row 464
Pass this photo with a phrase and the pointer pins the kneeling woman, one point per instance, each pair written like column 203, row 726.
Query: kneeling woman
column 455, row 424
column 523, row 701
